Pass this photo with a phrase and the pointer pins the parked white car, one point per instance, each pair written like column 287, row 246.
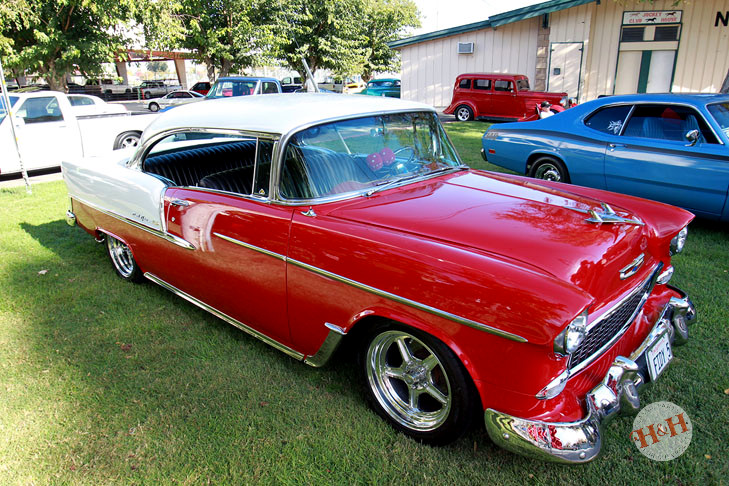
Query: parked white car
column 49, row 131
column 87, row 106
column 178, row 97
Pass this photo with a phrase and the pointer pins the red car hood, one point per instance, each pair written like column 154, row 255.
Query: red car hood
column 517, row 220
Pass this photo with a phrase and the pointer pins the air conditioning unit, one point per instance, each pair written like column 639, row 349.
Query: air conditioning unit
column 465, row 48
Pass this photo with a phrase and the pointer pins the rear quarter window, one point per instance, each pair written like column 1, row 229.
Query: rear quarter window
column 465, row 84
column 609, row 119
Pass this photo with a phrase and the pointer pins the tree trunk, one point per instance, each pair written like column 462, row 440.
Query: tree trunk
column 56, row 81
column 211, row 69
column 725, row 84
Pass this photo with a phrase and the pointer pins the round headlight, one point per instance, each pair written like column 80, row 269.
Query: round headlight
column 570, row 339
column 564, row 101
column 678, row 241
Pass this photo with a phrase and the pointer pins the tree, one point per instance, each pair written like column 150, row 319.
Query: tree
column 57, row 37
column 228, row 35
column 385, row 21
column 326, row 33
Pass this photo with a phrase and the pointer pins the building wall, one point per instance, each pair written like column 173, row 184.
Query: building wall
column 703, row 50
column 429, row 69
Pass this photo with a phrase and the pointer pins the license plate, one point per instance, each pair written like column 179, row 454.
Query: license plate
column 658, row 356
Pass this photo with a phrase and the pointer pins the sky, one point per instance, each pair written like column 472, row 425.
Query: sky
column 443, row 14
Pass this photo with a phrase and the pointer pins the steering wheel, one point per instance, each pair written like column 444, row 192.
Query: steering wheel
column 397, row 167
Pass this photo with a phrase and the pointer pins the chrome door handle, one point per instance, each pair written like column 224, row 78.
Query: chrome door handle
column 179, row 202
column 613, row 146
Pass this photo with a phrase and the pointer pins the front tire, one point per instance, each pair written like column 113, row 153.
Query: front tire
column 549, row 169
column 417, row 384
column 127, row 139
column 464, row 113
column 154, row 107
column 123, row 260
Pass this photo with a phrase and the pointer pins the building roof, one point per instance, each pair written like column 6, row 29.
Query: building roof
column 493, row 21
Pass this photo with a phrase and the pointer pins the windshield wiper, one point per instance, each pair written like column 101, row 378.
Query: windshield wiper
column 387, row 184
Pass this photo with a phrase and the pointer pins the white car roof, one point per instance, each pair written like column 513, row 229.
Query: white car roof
column 276, row 113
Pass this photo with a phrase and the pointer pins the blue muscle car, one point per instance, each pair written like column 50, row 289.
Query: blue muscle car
column 667, row 147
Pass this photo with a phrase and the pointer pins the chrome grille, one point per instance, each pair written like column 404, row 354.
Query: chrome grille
column 614, row 323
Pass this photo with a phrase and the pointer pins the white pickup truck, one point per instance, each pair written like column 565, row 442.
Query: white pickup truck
column 48, row 132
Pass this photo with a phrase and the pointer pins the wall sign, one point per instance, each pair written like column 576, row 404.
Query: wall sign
column 652, row 18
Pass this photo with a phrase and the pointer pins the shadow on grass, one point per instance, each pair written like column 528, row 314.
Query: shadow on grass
column 151, row 375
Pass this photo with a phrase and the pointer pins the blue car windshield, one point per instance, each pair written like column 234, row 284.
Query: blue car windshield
column 720, row 112
column 3, row 111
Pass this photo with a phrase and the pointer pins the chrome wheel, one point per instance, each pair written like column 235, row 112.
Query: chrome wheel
column 464, row 113
column 549, row 169
column 127, row 140
column 121, row 257
column 408, row 381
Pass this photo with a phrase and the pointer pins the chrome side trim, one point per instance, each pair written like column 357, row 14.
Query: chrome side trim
column 408, row 302
column 171, row 238
column 225, row 317
column 277, row 256
column 327, row 349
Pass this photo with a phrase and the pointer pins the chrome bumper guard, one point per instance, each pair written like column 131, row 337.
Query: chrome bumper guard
column 580, row 441
column 70, row 218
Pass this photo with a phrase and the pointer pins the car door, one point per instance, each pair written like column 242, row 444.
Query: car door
column 481, row 95
column 45, row 135
column 222, row 209
column 504, row 99
column 653, row 159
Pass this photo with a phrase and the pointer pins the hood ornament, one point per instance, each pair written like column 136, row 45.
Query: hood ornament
column 607, row 215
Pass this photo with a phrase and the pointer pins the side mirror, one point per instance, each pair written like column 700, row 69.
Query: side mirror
column 692, row 136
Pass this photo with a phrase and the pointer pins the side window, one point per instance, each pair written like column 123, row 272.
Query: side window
column 667, row 122
column 40, row 110
column 216, row 161
column 609, row 119
column 263, row 168
column 465, row 84
column 503, row 85
column 269, row 88
column 484, row 84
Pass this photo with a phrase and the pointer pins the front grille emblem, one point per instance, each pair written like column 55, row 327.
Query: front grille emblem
column 632, row 268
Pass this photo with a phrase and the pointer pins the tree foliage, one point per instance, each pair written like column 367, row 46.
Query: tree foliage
column 57, row 37
column 228, row 35
column 385, row 21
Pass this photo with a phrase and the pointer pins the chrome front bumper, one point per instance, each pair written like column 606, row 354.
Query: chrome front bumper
column 580, row 441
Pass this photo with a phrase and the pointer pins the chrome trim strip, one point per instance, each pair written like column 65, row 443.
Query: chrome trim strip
column 225, row 317
column 251, row 247
column 408, row 302
column 166, row 236
column 327, row 349
column 652, row 279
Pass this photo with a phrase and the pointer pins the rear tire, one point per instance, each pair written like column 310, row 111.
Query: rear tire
column 153, row 107
column 464, row 113
column 549, row 169
column 121, row 257
column 127, row 139
column 416, row 383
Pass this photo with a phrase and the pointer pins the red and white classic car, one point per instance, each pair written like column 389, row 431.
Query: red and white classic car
column 308, row 220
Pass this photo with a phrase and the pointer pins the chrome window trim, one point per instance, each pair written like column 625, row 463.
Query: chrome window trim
column 652, row 277
column 135, row 162
column 276, row 196
column 381, row 293
column 230, row 320
column 161, row 234
column 667, row 103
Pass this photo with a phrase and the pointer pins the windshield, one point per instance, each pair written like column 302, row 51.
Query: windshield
column 3, row 111
column 720, row 112
column 363, row 154
column 228, row 88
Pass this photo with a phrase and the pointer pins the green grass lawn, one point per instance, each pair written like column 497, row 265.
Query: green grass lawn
column 107, row 382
